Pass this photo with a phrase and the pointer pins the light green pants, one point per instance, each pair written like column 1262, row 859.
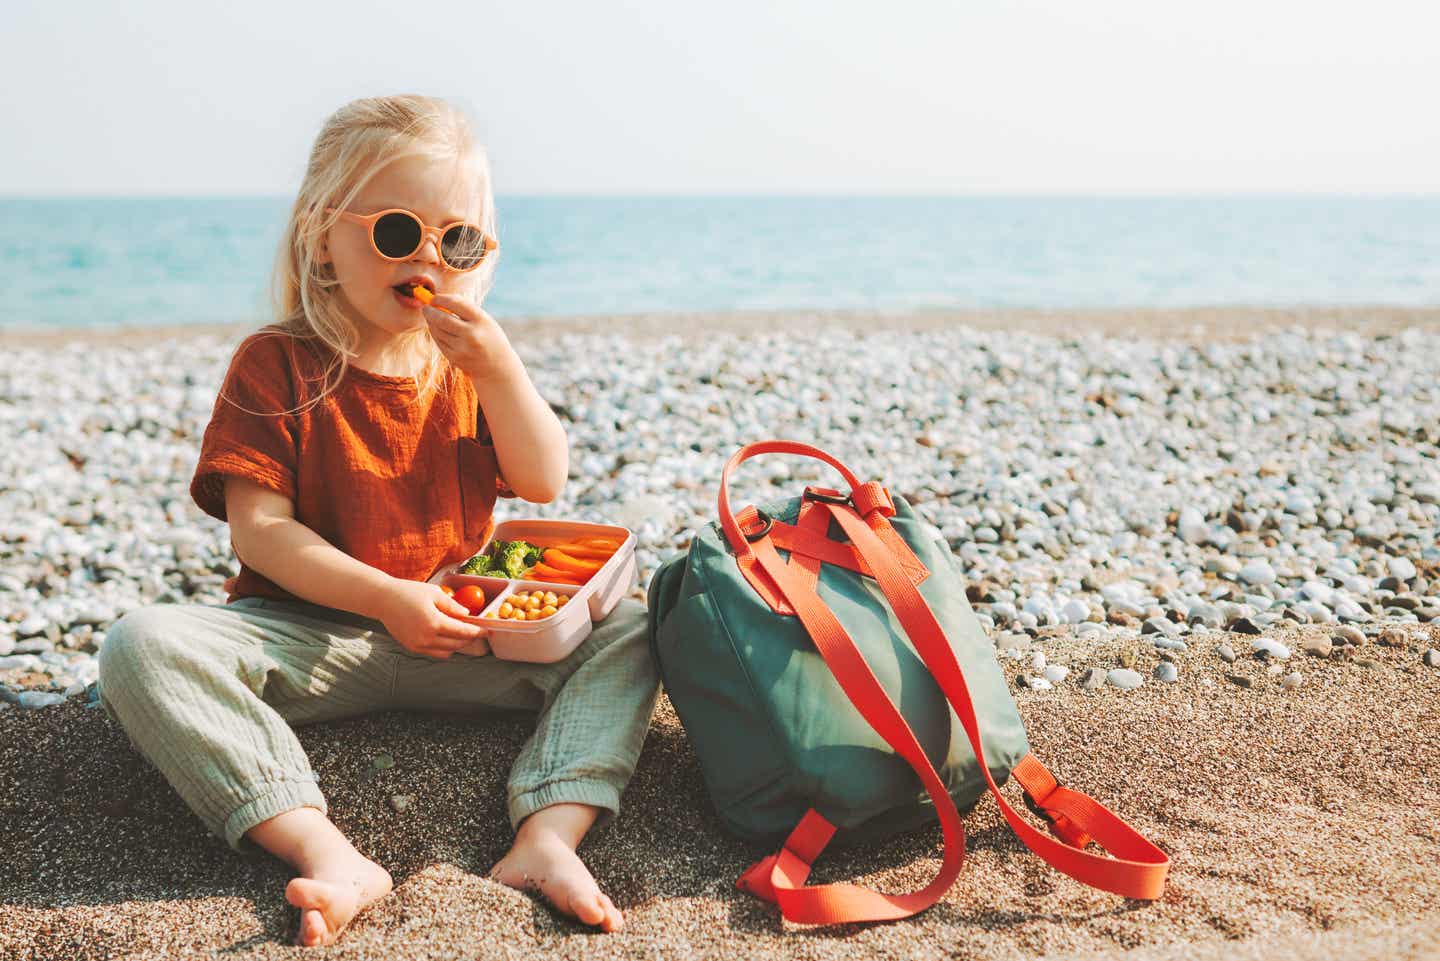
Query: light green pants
column 208, row 694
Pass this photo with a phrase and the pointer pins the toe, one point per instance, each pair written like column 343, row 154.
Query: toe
column 614, row 920
column 587, row 907
column 313, row 930
column 309, row 893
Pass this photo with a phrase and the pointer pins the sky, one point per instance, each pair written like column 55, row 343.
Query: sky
column 744, row 97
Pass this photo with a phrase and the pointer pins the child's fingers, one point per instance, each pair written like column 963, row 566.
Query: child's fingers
column 449, row 605
column 443, row 322
column 457, row 633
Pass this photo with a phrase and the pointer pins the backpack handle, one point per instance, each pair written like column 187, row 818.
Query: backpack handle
column 738, row 541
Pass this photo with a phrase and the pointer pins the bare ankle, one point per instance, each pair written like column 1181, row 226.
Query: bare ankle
column 307, row 840
column 569, row 822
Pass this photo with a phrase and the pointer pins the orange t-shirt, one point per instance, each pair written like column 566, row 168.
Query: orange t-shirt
column 400, row 482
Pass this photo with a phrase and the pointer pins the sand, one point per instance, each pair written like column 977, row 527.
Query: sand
column 1301, row 823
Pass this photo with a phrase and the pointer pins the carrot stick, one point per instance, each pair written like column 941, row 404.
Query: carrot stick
column 544, row 572
column 563, row 561
column 585, row 553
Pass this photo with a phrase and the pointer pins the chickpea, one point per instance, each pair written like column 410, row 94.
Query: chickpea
column 548, row 609
column 564, row 599
column 506, row 609
column 532, row 615
column 533, row 604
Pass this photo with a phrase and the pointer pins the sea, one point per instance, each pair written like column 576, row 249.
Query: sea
column 141, row 261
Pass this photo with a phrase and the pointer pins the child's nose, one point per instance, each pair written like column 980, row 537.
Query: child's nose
column 429, row 250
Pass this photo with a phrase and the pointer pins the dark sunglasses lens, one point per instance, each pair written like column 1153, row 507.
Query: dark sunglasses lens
column 463, row 247
column 397, row 235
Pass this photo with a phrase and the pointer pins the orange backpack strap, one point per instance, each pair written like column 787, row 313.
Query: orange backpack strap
column 1138, row 868
column 781, row 876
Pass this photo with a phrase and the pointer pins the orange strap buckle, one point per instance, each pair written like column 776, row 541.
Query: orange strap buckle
column 1061, row 826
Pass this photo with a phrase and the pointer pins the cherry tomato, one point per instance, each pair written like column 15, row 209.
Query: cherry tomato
column 472, row 597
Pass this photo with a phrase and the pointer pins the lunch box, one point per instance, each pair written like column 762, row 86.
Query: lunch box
column 552, row 638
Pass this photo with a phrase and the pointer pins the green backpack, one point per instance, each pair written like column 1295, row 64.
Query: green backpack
column 813, row 649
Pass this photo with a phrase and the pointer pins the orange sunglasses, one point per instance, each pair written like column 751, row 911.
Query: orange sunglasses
column 397, row 233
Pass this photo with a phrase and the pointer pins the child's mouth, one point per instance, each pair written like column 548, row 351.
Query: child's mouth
column 413, row 296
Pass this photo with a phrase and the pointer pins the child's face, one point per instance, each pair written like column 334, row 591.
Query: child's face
column 440, row 192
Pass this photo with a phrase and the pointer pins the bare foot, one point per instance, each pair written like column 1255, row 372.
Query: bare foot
column 542, row 861
column 334, row 895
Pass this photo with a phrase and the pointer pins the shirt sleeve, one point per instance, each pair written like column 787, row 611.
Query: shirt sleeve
column 254, row 430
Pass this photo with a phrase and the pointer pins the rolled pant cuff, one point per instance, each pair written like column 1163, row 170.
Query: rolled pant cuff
column 276, row 799
column 595, row 793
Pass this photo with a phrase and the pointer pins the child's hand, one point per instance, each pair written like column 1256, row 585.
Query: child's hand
column 467, row 335
column 418, row 617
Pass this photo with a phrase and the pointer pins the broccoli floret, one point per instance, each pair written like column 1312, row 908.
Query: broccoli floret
column 479, row 564
column 504, row 559
column 512, row 559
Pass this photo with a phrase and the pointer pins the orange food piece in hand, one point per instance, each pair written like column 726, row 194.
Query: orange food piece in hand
column 421, row 294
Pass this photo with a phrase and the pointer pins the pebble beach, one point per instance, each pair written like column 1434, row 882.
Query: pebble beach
column 1206, row 546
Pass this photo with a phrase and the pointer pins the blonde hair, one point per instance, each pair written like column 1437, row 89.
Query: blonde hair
column 355, row 142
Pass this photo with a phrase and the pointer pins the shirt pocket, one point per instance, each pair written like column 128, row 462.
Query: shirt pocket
column 478, row 471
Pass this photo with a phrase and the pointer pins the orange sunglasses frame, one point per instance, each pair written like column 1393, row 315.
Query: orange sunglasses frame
column 490, row 243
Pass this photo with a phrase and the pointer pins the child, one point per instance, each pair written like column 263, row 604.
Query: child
column 356, row 446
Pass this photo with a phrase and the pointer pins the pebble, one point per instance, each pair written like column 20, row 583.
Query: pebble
column 1432, row 658
column 1351, row 635
column 1239, row 679
column 1124, row 678
column 1317, row 646
column 1402, row 568
column 1092, row 678
column 1265, row 647
column 1394, row 637
column 1167, row 672
column 1226, row 652
column 1055, row 673
column 1048, row 450
column 1257, row 572
column 33, row 700
column 401, row 801
column 1291, row 681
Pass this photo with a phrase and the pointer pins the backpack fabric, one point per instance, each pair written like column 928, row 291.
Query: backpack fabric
column 821, row 654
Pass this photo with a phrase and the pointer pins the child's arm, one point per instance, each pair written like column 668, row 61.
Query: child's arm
column 530, row 443
column 269, row 539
